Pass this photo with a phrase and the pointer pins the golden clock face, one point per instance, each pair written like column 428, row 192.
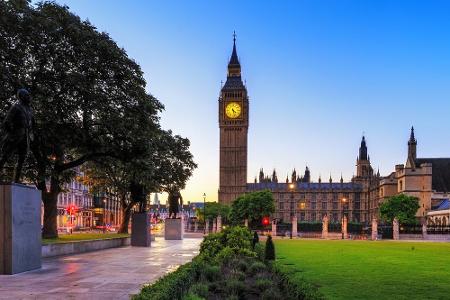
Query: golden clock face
column 233, row 110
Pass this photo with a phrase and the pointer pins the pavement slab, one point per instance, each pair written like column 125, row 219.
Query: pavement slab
column 114, row 273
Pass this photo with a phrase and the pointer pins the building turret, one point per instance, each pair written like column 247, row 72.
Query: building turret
column 294, row 176
column 274, row 176
column 261, row 175
column 412, row 150
column 307, row 176
column 363, row 167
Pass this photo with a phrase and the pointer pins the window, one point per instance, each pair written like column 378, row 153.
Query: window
column 400, row 184
column 313, row 216
column 313, row 205
column 281, row 205
column 335, row 205
column 302, row 216
column 324, row 206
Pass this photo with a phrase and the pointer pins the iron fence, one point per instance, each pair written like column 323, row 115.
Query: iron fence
column 438, row 229
column 410, row 228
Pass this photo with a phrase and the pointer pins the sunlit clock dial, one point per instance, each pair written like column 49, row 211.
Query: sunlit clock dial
column 233, row 110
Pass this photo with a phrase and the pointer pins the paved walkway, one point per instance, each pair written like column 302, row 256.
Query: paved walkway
column 107, row 274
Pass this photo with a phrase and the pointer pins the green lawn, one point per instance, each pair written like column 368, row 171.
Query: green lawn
column 369, row 270
column 82, row 237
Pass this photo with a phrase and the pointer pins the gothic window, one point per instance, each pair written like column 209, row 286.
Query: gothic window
column 302, row 216
column 356, row 205
column 313, row 216
column 335, row 205
column 324, row 206
column 313, row 205
column 281, row 205
column 400, row 183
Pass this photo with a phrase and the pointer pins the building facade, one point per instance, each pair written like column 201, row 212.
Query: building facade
column 428, row 179
column 78, row 208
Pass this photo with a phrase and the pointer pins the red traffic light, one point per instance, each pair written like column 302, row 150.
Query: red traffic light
column 265, row 221
column 71, row 209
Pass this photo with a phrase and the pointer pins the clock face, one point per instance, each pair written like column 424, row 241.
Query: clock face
column 233, row 110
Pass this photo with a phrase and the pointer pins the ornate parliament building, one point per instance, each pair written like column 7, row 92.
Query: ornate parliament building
column 426, row 178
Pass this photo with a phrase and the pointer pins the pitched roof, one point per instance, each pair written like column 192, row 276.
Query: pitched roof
column 233, row 82
column 440, row 180
column 445, row 204
column 304, row 186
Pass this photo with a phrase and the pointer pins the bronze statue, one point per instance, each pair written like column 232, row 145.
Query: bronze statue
column 17, row 128
column 139, row 195
column 175, row 201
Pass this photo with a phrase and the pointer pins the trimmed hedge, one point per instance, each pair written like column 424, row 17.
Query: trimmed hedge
column 228, row 268
column 172, row 286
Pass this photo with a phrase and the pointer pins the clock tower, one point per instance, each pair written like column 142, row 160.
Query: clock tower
column 233, row 124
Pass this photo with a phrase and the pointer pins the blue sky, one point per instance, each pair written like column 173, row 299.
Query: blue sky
column 318, row 73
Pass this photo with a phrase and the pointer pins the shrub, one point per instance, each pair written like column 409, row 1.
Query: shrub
column 235, row 287
column 255, row 239
column 242, row 265
column 210, row 273
column 238, row 237
column 237, row 274
column 192, row 297
column 270, row 249
column 256, row 268
column 274, row 294
column 212, row 244
column 171, row 286
column 263, row 284
column 260, row 251
column 199, row 289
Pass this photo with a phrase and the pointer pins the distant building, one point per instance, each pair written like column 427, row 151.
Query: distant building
column 425, row 178
column 89, row 210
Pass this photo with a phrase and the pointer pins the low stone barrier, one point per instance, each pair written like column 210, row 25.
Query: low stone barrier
column 58, row 249
column 410, row 236
column 438, row 237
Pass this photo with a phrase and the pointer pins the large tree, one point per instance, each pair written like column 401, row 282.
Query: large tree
column 252, row 206
column 166, row 163
column 402, row 207
column 213, row 210
column 89, row 97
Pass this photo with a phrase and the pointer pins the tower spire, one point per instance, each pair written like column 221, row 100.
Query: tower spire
column 412, row 149
column 234, row 67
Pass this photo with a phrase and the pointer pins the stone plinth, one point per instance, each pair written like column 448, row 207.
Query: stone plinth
column 274, row 228
column 140, row 230
column 424, row 231
column 344, row 228
column 20, row 228
column 395, row 229
column 325, row 227
column 374, row 229
column 173, row 229
column 214, row 227
column 219, row 223
column 294, row 227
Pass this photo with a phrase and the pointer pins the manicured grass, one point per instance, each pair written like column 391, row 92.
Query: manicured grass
column 67, row 238
column 369, row 270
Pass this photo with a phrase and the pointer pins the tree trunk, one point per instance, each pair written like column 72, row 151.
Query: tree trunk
column 50, row 200
column 125, row 217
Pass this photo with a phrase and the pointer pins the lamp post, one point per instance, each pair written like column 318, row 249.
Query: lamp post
column 344, row 202
column 291, row 188
column 204, row 213
column 104, row 215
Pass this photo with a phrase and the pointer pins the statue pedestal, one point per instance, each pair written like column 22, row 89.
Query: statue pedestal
column 20, row 228
column 173, row 229
column 140, row 230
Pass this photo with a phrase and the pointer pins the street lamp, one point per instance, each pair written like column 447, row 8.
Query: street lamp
column 344, row 202
column 104, row 215
column 204, row 213
column 291, row 205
